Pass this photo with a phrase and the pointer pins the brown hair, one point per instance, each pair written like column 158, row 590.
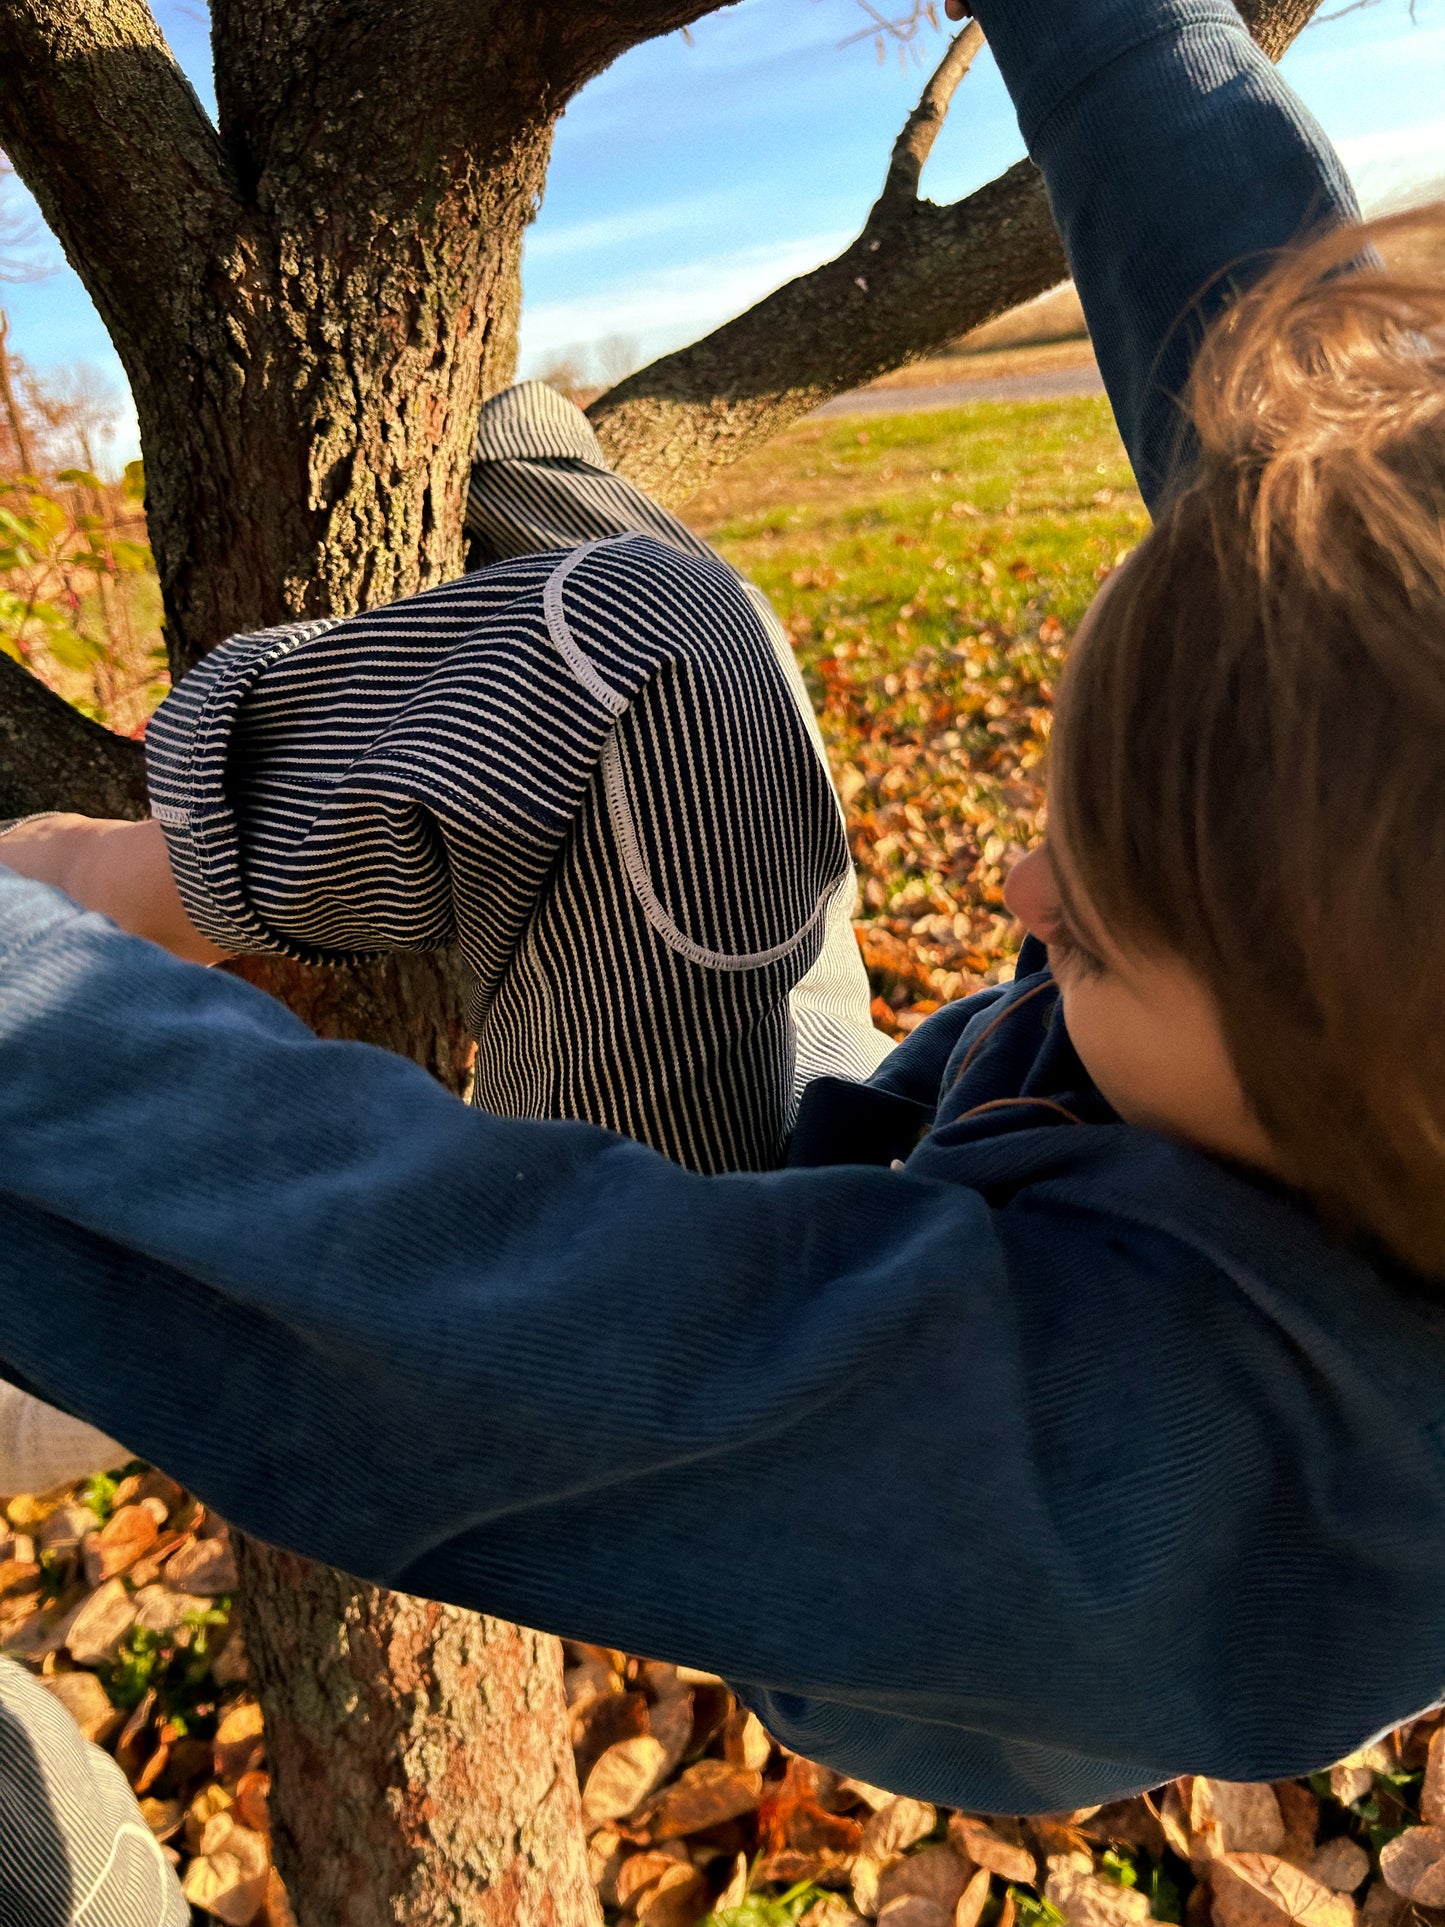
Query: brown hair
column 1248, row 766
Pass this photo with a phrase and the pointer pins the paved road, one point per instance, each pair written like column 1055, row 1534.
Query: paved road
column 1043, row 386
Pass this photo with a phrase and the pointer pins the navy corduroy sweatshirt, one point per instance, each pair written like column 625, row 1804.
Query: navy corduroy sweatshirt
column 1059, row 1461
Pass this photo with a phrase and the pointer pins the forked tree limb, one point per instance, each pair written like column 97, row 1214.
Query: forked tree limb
column 108, row 135
column 917, row 277
column 53, row 758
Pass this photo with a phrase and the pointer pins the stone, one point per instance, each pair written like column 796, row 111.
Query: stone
column 101, row 1624
column 1341, row 1865
column 84, row 1698
column 202, row 1565
column 1413, row 1864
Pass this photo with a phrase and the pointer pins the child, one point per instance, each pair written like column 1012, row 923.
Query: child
column 1068, row 1457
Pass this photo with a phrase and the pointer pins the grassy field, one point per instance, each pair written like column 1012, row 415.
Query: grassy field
column 930, row 569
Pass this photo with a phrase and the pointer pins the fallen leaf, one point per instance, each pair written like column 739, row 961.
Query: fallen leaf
column 231, row 1879
column 639, row 1870
column 670, row 1723
column 1341, row 1865
column 1432, row 1793
column 1300, row 1811
column 621, row 1780
column 1261, row 1890
column 162, row 1816
column 202, row 1565
column 973, row 1900
column 19, row 1575
column 746, row 1742
column 84, row 1698
column 1232, row 1816
column 603, row 1721
column 678, row 1899
column 118, row 1544
column 938, row 1874
column 897, row 1826
column 101, row 1623
column 1085, row 1900
column 985, row 1847
column 704, row 1796
column 1413, row 1864
column 912, row 1910
column 238, row 1743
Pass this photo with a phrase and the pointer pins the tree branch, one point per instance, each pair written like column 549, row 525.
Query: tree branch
column 917, row 278
column 109, row 137
column 914, row 145
column 53, row 758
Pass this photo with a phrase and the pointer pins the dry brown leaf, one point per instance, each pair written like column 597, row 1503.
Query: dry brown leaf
column 985, row 1847
column 791, row 1864
column 678, row 1899
column 19, row 1576
column 639, row 1870
column 231, row 1877
column 864, row 1794
column 1413, row 1864
column 1174, row 1818
column 831, row 1910
column 736, row 1886
column 590, row 1679
column 253, row 1795
column 1085, row 1900
column 973, row 1900
column 622, row 1779
column 670, row 1723
column 1432, row 1793
column 867, row 1872
column 1121, row 1823
column 202, row 1565
column 1232, row 1816
column 895, row 1827
column 238, row 1742
column 704, row 1796
column 1261, row 1890
column 1300, row 1811
column 163, row 1817
column 63, row 1531
column 1007, row 1913
column 746, row 1742
column 605, row 1859
column 84, row 1698
column 210, row 1800
column 118, row 1544
column 912, row 1910
column 597, row 1724
column 936, row 1873
column 1341, row 1865
column 101, row 1623
column 1381, row 1908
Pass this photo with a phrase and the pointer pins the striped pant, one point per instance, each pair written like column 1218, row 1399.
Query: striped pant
column 591, row 765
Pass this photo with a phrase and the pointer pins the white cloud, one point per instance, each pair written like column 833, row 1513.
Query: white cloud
column 1387, row 164
column 671, row 305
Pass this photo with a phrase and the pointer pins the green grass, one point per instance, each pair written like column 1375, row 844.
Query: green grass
column 930, row 570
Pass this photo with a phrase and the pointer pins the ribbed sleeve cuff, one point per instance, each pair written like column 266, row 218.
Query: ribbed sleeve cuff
column 188, row 747
column 1048, row 50
column 531, row 423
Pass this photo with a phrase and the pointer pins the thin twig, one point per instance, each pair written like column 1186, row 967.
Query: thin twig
column 915, row 143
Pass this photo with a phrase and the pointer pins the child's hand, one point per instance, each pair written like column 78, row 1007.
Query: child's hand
column 121, row 869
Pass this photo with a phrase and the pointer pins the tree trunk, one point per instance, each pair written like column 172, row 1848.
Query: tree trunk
column 425, row 1740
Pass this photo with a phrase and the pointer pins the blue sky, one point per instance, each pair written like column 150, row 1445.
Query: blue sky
column 688, row 180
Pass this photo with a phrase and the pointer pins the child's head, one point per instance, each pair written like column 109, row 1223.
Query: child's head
column 1248, row 767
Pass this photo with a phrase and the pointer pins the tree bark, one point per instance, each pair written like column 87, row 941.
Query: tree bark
column 425, row 1739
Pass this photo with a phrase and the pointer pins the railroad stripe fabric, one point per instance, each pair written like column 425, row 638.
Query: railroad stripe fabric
column 593, row 769
column 74, row 1850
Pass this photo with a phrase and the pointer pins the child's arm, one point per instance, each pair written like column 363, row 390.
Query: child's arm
column 1176, row 161
column 870, row 1441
